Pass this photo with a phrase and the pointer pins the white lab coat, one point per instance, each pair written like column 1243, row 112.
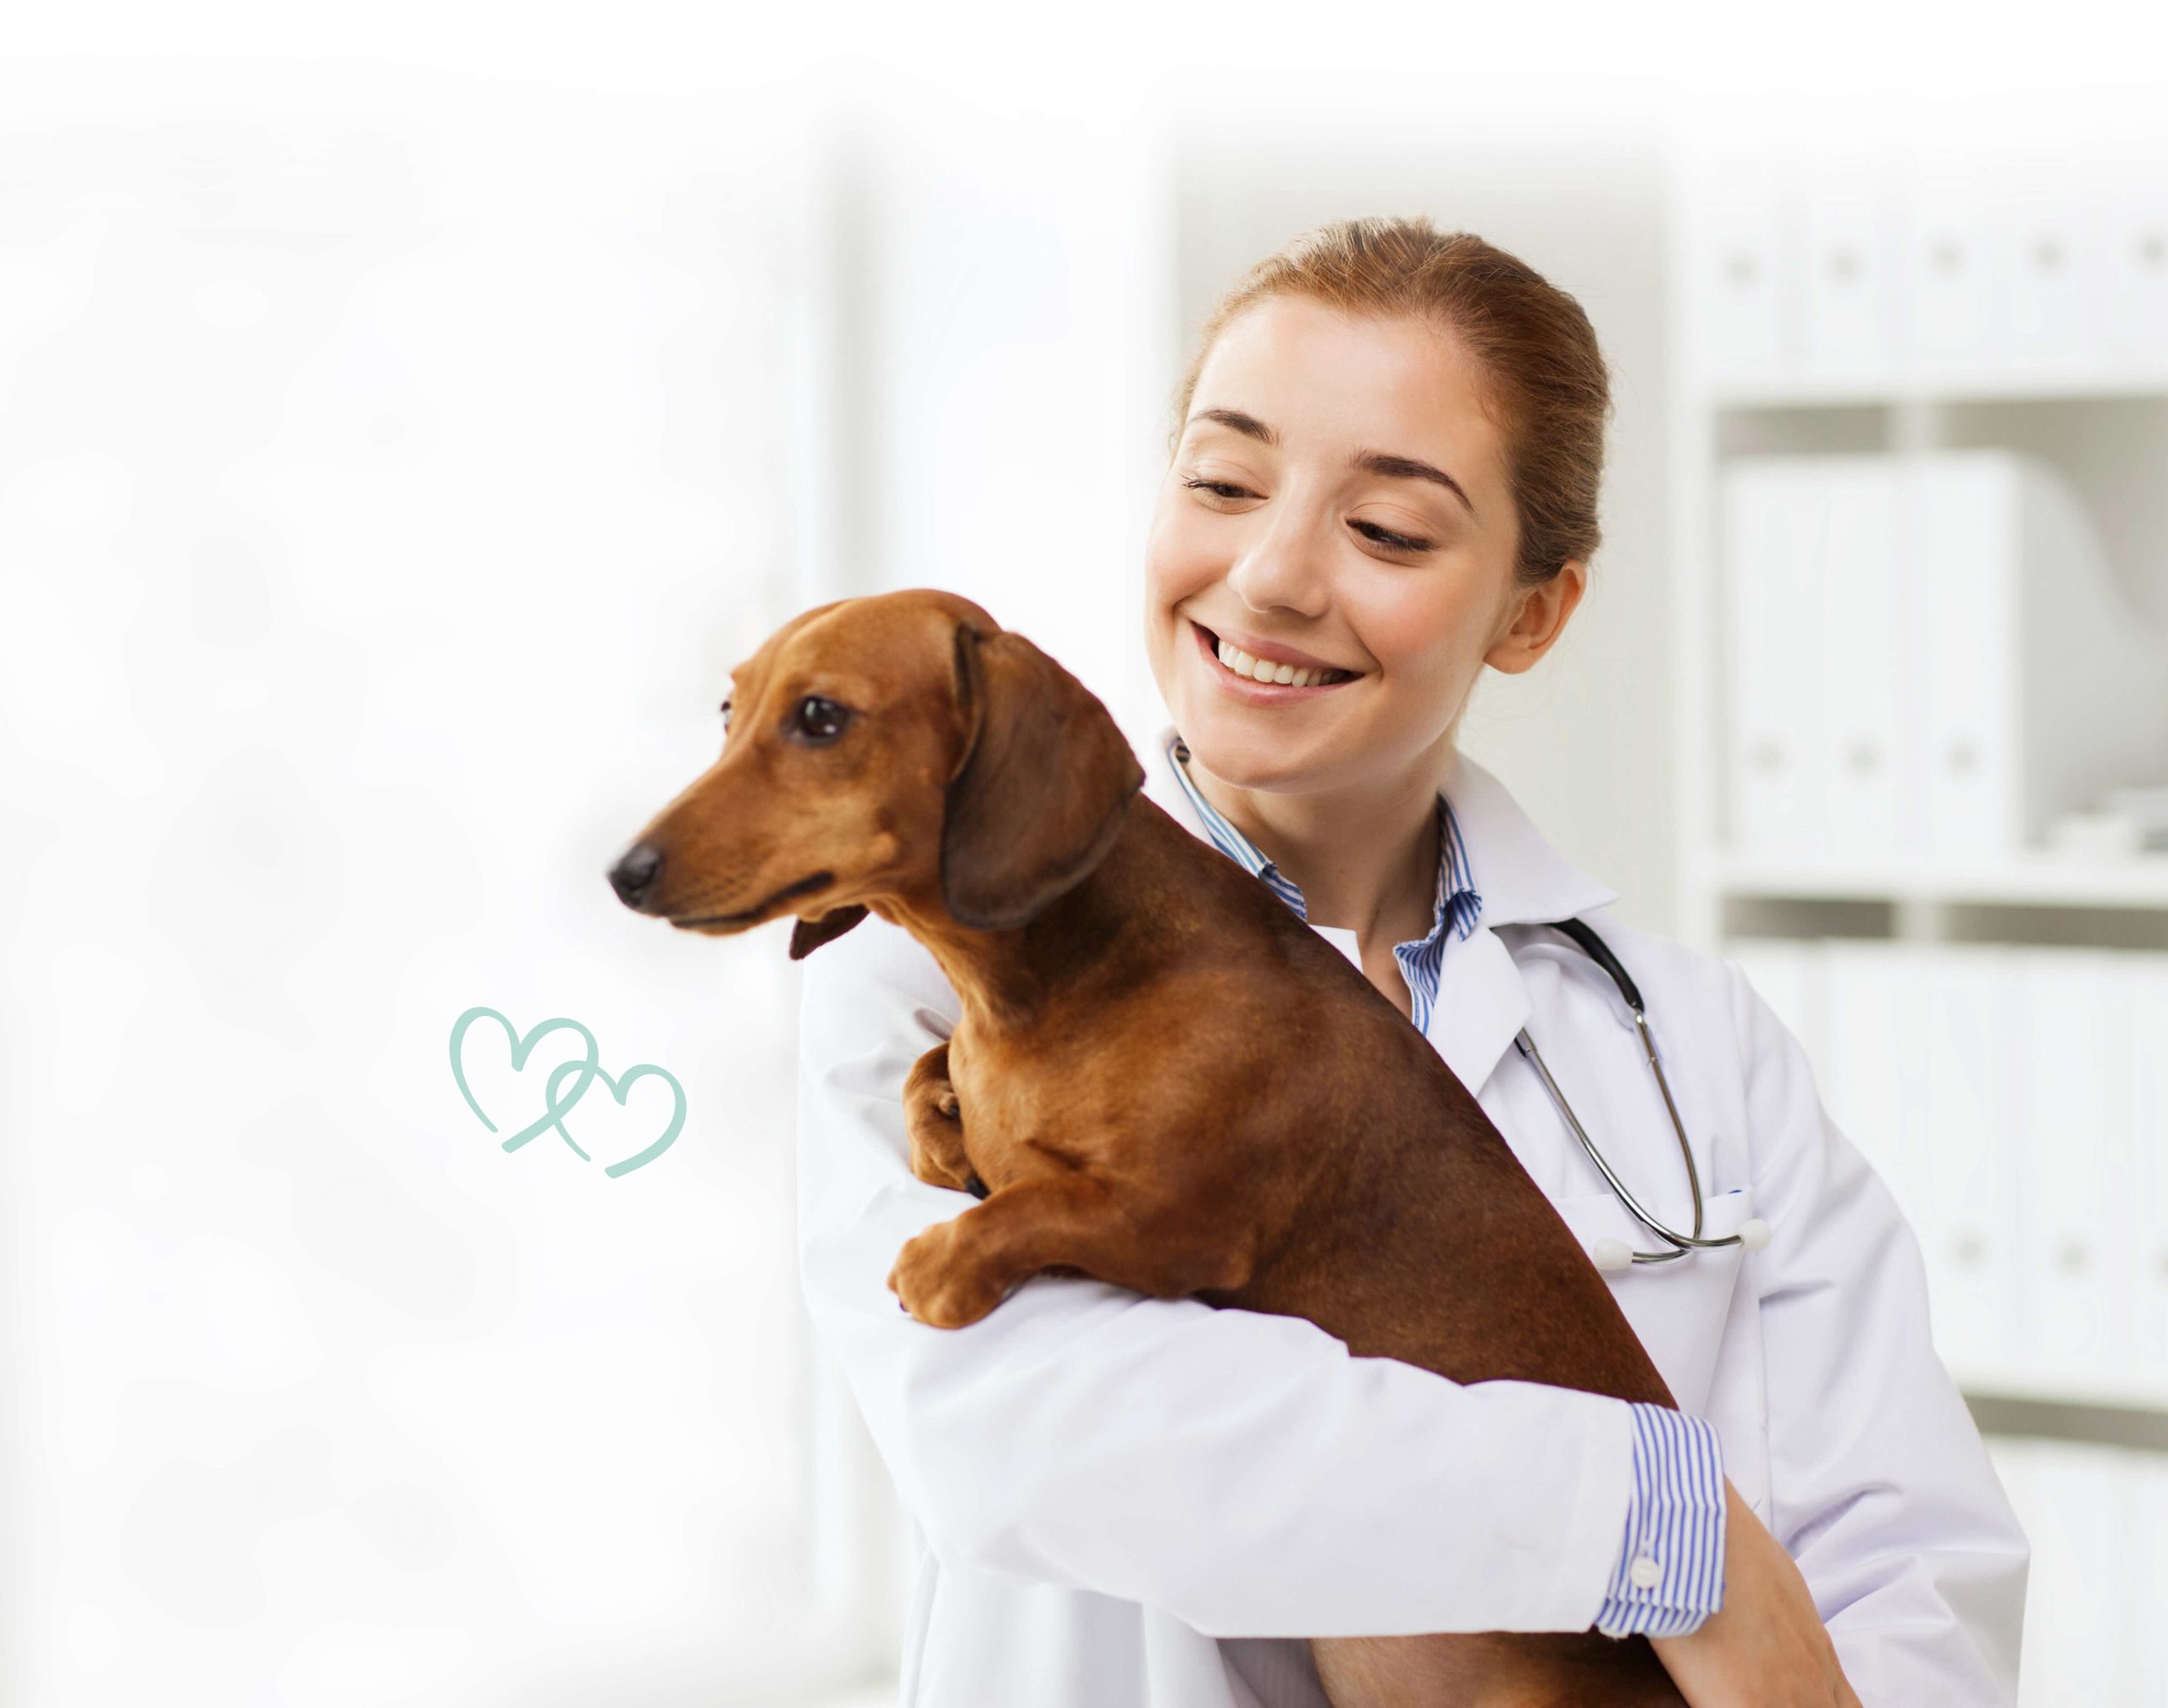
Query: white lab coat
column 1126, row 1502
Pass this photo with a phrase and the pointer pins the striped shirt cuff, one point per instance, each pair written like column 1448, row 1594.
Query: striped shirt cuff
column 1670, row 1574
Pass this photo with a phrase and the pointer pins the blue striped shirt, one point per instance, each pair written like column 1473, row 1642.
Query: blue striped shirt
column 1669, row 1574
column 1455, row 902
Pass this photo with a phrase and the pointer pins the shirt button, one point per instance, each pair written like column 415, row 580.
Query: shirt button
column 1646, row 1573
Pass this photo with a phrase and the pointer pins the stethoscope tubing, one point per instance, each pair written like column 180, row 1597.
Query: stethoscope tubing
column 1681, row 1244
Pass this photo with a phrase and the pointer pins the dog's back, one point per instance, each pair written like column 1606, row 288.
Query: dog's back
column 1196, row 1031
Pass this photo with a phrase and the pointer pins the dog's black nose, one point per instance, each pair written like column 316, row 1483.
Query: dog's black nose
column 633, row 876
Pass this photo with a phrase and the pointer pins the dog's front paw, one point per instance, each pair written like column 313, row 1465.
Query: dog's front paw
column 938, row 1283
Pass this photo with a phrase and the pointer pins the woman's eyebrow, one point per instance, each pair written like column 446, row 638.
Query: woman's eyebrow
column 1240, row 422
column 1380, row 462
column 1407, row 468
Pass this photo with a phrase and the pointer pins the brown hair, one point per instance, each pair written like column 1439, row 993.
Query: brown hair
column 1544, row 381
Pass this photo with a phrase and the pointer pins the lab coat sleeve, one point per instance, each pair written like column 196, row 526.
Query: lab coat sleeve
column 1239, row 1469
column 1880, row 1487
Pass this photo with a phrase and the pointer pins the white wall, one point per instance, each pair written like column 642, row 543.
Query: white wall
column 389, row 475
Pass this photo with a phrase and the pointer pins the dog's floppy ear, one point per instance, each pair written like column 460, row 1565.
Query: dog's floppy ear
column 1043, row 787
column 808, row 934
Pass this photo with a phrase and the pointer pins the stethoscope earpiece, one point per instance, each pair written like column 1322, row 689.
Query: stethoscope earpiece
column 1608, row 1254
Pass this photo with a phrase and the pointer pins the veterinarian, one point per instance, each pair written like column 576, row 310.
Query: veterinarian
column 1384, row 466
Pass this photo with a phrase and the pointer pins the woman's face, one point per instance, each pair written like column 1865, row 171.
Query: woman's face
column 1337, row 494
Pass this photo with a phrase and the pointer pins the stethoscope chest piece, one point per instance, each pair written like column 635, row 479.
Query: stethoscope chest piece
column 1612, row 1254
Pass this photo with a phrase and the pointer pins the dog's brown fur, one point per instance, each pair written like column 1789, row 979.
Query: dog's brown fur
column 1121, row 1086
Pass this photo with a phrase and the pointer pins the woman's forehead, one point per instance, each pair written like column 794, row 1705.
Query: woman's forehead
column 1323, row 380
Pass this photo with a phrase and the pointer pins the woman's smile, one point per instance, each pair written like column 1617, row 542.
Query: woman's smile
column 1232, row 669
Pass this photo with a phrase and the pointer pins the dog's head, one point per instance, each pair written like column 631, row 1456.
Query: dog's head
column 902, row 744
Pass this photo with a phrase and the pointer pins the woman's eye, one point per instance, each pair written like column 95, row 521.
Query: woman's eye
column 726, row 718
column 1387, row 537
column 820, row 720
column 1369, row 530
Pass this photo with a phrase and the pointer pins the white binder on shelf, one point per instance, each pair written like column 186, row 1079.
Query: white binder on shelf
column 2056, row 282
column 2134, row 319
column 1741, row 275
column 1786, row 972
column 1851, row 218
column 1953, row 267
column 2074, row 1113
column 1971, row 1218
column 2075, row 1646
column 1775, row 534
column 2145, row 1587
column 2041, row 684
column 1871, row 1082
column 2013, row 1457
column 1822, row 622
column 2144, row 1259
column 1870, row 795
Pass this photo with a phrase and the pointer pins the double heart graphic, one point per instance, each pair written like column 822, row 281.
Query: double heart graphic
column 589, row 1068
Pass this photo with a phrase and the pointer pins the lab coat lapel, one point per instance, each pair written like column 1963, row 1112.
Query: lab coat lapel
column 1482, row 1005
column 1482, row 1000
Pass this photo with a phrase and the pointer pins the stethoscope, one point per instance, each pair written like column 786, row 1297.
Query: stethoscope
column 1616, row 1254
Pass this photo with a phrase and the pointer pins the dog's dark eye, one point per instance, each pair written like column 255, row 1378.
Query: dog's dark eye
column 820, row 720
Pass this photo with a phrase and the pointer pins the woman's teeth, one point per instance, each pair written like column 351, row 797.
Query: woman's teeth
column 1264, row 669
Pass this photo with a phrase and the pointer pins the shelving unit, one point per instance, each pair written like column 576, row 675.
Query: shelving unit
column 2100, row 423
column 1725, row 895
column 2036, row 882
column 1812, row 315
column 1713, row 421
column 2050, row 385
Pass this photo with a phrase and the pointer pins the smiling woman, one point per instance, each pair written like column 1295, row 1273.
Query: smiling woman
column 1384, row 463
column 1382, row 478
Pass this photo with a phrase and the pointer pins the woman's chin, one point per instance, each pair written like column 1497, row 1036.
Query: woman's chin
column 1247, row 758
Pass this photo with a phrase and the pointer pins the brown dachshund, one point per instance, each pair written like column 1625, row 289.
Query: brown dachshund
column 1118, row 1089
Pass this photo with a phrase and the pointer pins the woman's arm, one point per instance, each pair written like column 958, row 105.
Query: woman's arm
column 1239, row 1470
column 1881, row 1488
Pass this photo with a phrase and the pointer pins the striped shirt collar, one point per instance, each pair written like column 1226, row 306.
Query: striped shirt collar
column 1456, row 902
column 1524, row 877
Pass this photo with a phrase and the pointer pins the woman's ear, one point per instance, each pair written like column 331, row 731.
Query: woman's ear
column 1539, row 617
column 1041, row 790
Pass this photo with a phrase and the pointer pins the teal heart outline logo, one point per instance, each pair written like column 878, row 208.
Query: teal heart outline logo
column 589, row 1068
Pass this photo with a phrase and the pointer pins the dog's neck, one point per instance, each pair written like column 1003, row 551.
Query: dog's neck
column 1005, row 977
column 988, row 970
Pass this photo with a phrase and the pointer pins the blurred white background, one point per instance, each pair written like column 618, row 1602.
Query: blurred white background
column 407, row 419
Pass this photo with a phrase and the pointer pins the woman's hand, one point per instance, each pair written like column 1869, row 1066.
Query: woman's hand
column 1766, row 1647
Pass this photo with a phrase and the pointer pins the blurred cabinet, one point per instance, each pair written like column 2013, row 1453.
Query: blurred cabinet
column 1926, row 655
column 1919, row 407
column 2093, row 1634
column 1739, row 266
column 1862, row 262
column 2014, row 1099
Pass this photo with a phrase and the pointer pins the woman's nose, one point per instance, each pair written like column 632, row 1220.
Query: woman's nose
column 1286, row 567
